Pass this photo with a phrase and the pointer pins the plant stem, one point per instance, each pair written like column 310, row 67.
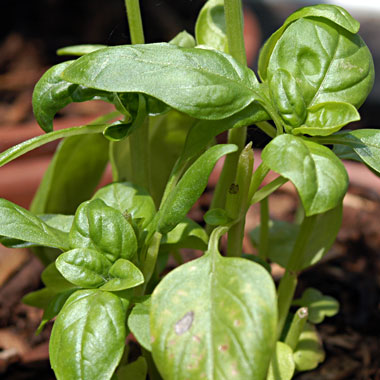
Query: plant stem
column 264, row 228
column 267, row 128
column 296, row 327
column 234, row 27
column 288, row 282
column 134, row 21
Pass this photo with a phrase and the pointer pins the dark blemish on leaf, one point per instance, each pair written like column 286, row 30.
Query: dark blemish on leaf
column 184, row 323
column 234, row 188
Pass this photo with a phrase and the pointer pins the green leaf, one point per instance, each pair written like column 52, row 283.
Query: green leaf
column 283, row 235
column 334, row 13
column 210, row 28
column 330, row 64
column 201, row 83
column 86, row 268
column 131, row 200
column 288, row 98
column 53, row 93
column 183, row 39
column 54, row 307
column 282, row 364
column 104, row 229
column 138, row 323
column 18, row 223
column 309, row 351
column 365, row 143
column 319, row 306
column 202, row 133
column 79, row 50
column 73, row 174
column 326, row 118
column 318, row 175
column 88, row 336
column 190, row 187
column 216, row 217
column 53, row 279
column 186, row 234
column 123, row 275
column 136, row 370
column 40, row 298
column 214, row 318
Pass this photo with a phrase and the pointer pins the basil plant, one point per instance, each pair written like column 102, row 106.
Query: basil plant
column 220, row 316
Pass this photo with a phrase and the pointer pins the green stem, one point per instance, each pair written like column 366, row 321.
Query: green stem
column 267, row 190
column 151, row 257
column 134, row 21
column 288, row 283
column 267, row 128
column 264, row 229
column 296, row 327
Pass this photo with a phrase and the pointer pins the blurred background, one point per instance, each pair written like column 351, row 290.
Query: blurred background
column 30, row 34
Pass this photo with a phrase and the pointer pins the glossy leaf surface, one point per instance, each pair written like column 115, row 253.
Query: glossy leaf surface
column 334, row 13
column 329, row 63
column 123, row 275
column 318, row 305
column 326, row 118
column 53, row 93
column 210, row 29
column 202, row 83
column 318, row 175
column 76, row 352
column 214, row 318
column 72, row 175
column 104, row 229
column 129, row 199
column 18, row 223
column 282, row 364
column 84, row 267
column 190, row 187
column 139, row 323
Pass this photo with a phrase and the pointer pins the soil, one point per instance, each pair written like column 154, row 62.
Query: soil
column 350, row 272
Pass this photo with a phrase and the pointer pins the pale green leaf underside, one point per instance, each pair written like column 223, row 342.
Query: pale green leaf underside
column 214, row 318
column 203, row 83
column 79, row 50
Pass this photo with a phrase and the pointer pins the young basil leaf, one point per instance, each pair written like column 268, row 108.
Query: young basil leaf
column 131, row 200
column 86, row 312
column 205, row 84
column 186, row 234
column 72, row 175
column 123, row 275
column 54, row 307
column 138, row 323
column 309, row 351
column 210, row 28
column 283, row 235
column 326, row 118
column 330, row 64
column 104, row 229
column 52, row 93
column 202, row 133
column 318, row 305
column 79, row 50
column 84, row 267
column 333, row 13
column 136, row 370
column 18, row 223
column 318, row 175
column 282, row 365
column 288, row 98
column 219, row 315
column 365, row 143
column 183, row 39
column 190, row 187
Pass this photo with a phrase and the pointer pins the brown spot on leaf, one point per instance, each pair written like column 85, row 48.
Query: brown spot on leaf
column 196, row 338
column 223, row 347
column 237, row 323
column 184, row 323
